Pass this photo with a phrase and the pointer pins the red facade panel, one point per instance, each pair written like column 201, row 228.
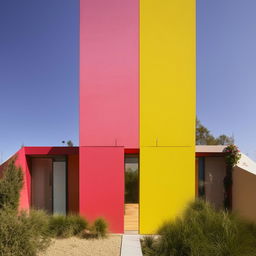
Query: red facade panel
column 109, row 73
column 101, row 185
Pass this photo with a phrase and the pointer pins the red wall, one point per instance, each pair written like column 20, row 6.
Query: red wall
column 102, row 185
column 109, row 67
column 51, row 151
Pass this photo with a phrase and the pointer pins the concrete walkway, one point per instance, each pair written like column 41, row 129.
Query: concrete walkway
column 131, row 245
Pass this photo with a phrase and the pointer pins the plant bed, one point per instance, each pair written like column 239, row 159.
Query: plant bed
column 203, row 231
column 31, row 232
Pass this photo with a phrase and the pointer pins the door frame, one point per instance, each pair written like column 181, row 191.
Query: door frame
column 54, row 158
column 133, row 152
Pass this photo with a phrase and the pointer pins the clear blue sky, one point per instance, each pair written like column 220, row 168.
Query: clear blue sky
column 39, row 50
column 226, row 69
column 39, row 57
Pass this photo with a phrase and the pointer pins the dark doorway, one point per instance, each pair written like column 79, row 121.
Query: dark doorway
column 131, row 192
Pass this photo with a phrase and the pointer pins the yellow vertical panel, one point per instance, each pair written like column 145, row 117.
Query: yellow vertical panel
column 167, row 72
column 166, row 184
column 167, row 109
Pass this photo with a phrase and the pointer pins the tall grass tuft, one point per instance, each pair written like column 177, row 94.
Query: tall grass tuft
column 67, row 226
column 204, row 231
column 25, row 234
column 148, row 245
column 99, row 228
column 78, row 223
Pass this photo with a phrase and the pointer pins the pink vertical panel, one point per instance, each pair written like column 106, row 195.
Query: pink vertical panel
column 101, row 185
column 109, row 73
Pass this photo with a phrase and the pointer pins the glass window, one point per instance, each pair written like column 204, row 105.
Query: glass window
column 131, row 179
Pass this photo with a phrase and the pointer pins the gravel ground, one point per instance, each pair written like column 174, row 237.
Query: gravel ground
column 109, row 246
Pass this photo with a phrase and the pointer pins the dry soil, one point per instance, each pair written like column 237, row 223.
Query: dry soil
column 109, row 246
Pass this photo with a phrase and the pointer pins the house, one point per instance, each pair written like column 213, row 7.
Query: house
column 135, row 164
column 137, row 96
column 52, row 180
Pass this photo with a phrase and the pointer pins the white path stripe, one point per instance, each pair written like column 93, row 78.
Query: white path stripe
column 131, row 245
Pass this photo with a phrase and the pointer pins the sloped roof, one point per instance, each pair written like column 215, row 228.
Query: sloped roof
column 247, row 164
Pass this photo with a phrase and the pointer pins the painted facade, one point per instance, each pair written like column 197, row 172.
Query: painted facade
column 137, row 112
column 167, row 109
column 137, row 96
column 137, row 91
column 209, row 173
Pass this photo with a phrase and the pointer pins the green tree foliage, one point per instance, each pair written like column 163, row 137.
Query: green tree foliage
column 204, row 136
column 232, row 155
column 70, row 143
column 225, row 140
column 10, row 186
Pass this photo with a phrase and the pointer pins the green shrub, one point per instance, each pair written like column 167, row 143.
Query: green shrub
column 10, row 186
column 148, row 244
column 203, row 231
column 79, row 223
column 99, row 228
column 39, row 220
column 59, row 226
column 67, row 226
column 23, row 234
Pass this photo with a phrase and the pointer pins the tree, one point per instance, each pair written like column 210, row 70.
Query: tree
column 204, row 136
column 70, row 143
column 10, row 186
column 225, row 140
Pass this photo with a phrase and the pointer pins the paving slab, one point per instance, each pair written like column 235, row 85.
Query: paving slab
column 131, row 245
